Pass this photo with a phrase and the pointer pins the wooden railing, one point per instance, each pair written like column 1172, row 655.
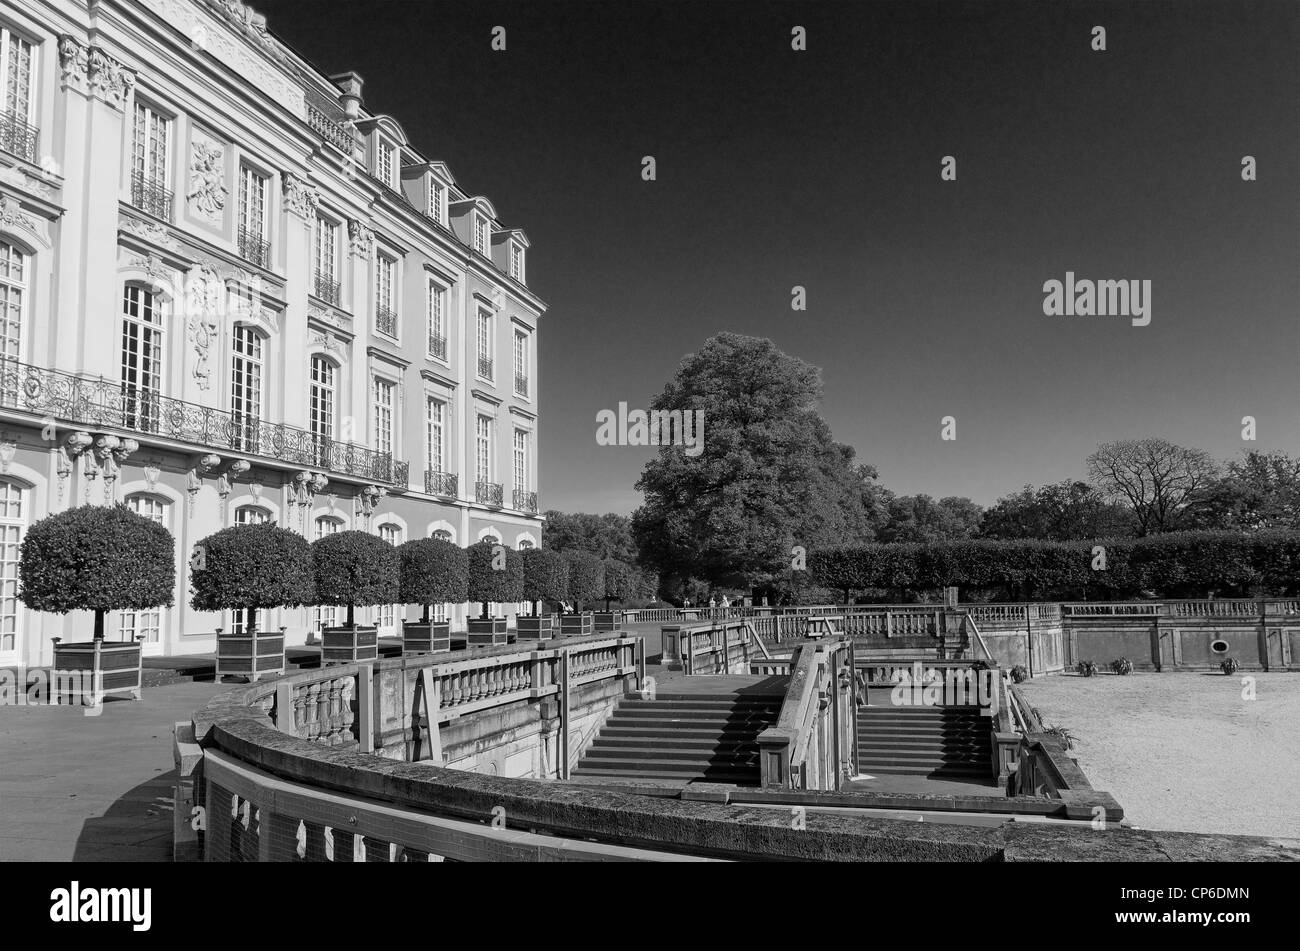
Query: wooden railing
column 814, row 742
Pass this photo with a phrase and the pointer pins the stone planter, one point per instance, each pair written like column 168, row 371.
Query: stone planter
column 89, row 670
column 485, row 632
column 608, row 621
column 577, row 625
column 347, row 645
column 421, row 638
column 250, row 655
column 540, row 627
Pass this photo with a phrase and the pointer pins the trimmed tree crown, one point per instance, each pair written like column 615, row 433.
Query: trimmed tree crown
column 433, row 571
column 253, row 566
column 586, row 577
column 546, row 575
column 97, row 558
column 355, row 568
column 494, row 575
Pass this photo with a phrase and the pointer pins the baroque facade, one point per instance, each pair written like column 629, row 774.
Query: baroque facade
column 229, row 293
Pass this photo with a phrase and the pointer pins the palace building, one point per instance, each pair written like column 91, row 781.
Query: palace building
column 230, row 292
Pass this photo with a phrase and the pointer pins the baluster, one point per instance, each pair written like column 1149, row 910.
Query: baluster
column 346, row 695
column 312, row 711
column 299, row 713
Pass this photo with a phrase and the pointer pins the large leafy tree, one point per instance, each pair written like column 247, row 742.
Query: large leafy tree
column 606, row 536
column 919, row 518
column 1260, row 490
column 1064, row 511
column 769, row 476
column 1164, row 485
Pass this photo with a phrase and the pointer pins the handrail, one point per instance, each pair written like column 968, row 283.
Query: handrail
column 979, row 638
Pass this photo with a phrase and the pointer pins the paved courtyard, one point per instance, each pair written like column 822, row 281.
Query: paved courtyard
column 1185, row 751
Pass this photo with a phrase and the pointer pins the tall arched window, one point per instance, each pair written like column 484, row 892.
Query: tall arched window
column 13, row 522
column 387, row 615
column 246, row 387
column 320, row 407
column 327, row 615
column 14, row 277
column 142, row 358
column 147, row 623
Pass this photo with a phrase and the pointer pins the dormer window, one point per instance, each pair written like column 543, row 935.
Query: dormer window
column 516, row 262
column 480, row 234
column 437, row 202
column 386, row 164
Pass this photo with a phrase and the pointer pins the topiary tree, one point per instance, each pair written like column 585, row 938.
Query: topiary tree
column 433, row 571
column 546, row 576
column 250, row 567
column 97, row 558
column 620, row 583
column 586, row 578
column 496, row 573
column 354, row 568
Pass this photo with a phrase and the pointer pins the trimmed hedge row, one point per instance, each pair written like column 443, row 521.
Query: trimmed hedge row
column 1176, row 564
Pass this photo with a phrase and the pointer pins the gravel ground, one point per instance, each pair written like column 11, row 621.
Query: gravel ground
column 1185, row 751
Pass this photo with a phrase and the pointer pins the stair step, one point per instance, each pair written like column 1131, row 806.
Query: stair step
column 738, row 758
column 892, row 770
column 674, row 742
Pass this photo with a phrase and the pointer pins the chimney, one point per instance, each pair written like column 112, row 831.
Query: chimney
column 350, row 84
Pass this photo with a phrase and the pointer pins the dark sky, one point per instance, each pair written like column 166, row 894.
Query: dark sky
column 821, row 168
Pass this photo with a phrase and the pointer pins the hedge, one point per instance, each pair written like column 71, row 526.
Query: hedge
column 249, row 567
column 97, row 558
column 1175, row 564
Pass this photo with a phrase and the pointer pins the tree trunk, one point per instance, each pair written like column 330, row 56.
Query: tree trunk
column 425, row 619
column 99, row 624
column 537, row 608
column 484, row 615
column 250, row 621
column 351, row 617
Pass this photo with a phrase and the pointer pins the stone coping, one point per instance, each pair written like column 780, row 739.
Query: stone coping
column 230, row 723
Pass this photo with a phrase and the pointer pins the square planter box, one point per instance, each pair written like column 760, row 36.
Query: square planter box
column 576, row 625
column 608, row 621
column 420, row 638
column 347, row 645
column 251, row 656
column 83, row 667
column 541, row 627
column 485, row 632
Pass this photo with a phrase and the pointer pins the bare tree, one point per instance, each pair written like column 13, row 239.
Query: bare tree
column 1158, row 480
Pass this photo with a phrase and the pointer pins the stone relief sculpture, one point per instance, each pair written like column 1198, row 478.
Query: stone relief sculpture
column 299, row 197
column 208, row 190
column 204, row 292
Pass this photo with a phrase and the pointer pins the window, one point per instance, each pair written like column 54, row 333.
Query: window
column 327, row 614
column 147, row 623
column 327, row 254
column 142, row 359
column 12, row 524
column 321, row 407
column 253, row 246
column 437, row 201
column 251, row 515
column 387, row 615
column 17, row 132
column 246, row 387
column 480, row 234
column 483, row 449
column 521, row 463
column 436, row 415
column 386, row 165
column 150, row 149
column 525, row 544
column 383, row 399
column 437, row 321
column 517, row 262
column 521, row 363
column 442, row 534
column 14, row 275
column 485, row 343
column 385, row 278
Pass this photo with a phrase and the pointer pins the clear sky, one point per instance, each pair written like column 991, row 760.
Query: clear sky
column 822, row 168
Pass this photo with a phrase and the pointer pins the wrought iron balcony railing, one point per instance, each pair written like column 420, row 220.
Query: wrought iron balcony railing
column 386, row 320
column 18, row 137
column 151, row 197
column 437, row 482
column 327, row 289
column 99, row 403
column 254, row 248
column 488, row 493
column 525, row 501
column 521, row 384
column 438, row 346
column 485, row 367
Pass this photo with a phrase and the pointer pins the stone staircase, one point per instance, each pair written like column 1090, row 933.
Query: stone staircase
column 682, row 738
column 924, row 741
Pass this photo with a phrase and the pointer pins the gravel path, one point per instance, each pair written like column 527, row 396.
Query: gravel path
column 1185, row 751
